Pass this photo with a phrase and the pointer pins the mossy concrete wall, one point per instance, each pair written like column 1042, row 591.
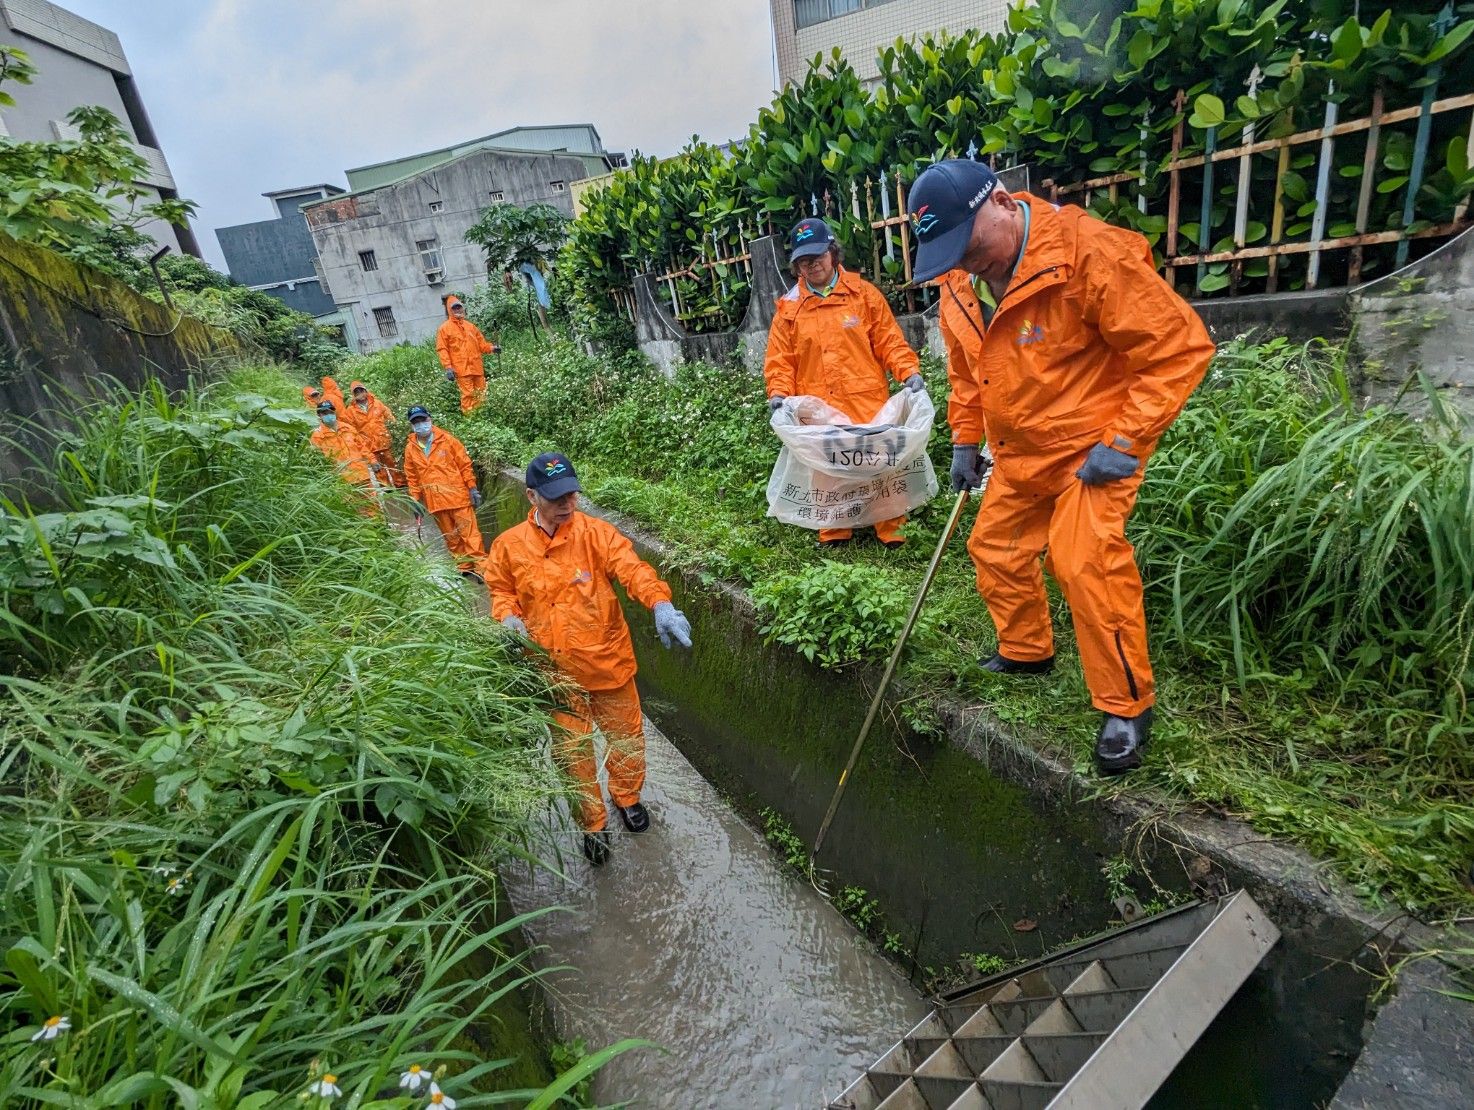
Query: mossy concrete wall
column 67, row 331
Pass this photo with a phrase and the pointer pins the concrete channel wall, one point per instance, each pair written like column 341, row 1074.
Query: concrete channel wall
column 68, row 331
column 1417, row 320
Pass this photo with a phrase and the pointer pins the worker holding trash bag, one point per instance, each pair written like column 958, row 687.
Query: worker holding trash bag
column 835, row 338
column 551, row 580
column 1072, row 356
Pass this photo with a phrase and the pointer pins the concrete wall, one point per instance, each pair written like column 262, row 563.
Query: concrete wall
column 65, row 329
column 863, row 34
column 1420, row 318
column 389, row 221
column 67, row 79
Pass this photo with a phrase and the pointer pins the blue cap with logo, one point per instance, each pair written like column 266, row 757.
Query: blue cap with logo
column 551, row 475
column 943, row 203
column 809, row 238
column 417, row 411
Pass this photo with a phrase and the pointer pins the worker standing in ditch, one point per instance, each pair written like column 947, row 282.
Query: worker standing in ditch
column 1068, row 351
column 438, row 473
column 551, row 579
column 834, row 337
column 460, row 345
column 343, row 446
column 370, row 418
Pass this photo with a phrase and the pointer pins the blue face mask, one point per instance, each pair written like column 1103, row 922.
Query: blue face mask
column 330, row 419
column 422, row 428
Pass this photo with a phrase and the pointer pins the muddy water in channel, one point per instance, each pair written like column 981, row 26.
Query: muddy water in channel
column 692, row 937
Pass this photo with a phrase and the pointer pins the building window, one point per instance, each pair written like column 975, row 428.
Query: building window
column 436, row 205
column 806, row 13
column 367, row 260
column 497, row 196
column 384, row 317
column 558, row 186
column 430, row 258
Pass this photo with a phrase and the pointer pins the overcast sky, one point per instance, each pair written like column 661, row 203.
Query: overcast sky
column 253, row 95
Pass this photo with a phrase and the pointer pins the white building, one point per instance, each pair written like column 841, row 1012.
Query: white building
column 862, row 28
column 78, row 64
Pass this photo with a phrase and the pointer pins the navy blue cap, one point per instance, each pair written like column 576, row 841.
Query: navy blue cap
column 326, row 406
column 809, row 238
column 551, row 475
column 416, row 411
column 943, row 203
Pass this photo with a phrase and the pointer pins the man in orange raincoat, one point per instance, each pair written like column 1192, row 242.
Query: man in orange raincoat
column 370, row 418
column 342, row 446
column 834, row 338
column 1072, row 356
column 551, row 579
column 438, row 473
column 460, row 345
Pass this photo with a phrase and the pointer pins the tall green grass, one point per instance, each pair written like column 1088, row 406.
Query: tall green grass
column 1309, row 568
column 250, row 745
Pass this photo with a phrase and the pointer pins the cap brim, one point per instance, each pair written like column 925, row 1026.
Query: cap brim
column 936, row 256
column 558, row 487
column 808, row 250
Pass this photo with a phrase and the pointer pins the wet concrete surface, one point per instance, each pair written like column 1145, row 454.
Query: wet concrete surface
column 694, row 938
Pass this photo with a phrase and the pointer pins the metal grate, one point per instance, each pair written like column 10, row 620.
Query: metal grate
column 1100, row 1024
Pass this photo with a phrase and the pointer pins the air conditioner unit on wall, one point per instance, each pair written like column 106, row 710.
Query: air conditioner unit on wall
column 435, row 277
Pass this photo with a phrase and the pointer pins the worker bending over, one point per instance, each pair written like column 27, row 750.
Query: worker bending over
column 1072, row 356
column 551, row 579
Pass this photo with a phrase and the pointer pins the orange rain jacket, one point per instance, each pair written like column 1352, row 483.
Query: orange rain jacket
column 331, row 392
column 562, row 589
column 443, row 479
column 372, row 423
column 837, row 348
column 1088, row 345
column 311, row 395
column 346, row 448
column 460, row 344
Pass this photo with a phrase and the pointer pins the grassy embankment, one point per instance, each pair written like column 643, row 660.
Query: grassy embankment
column 1309, row 572
column 250, row 745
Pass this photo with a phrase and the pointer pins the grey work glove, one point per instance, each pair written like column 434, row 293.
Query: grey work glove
column 967, row 467
column 475, row 499
column 513, row 623
column 671, row 624
column 775, row 402
column 915, row 383
column 450, row 375
column 1106, row 464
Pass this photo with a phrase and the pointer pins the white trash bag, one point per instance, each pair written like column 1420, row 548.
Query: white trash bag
column 833, row 473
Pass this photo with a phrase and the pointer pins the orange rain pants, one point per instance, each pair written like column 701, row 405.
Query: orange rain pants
column 462, row 534
column 1083, row 529
column 617, row 713
column 460, row 345
column 838, row 348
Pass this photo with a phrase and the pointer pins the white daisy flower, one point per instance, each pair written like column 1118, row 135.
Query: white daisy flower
column 415, row 1078
column 177, row 884
column 440, row 1098
column 52, row 1028
column 326, row 1087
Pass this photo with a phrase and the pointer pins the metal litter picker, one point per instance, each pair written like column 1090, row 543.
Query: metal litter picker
column 885, row 678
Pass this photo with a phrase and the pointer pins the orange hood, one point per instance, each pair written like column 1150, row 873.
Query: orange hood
column 311, row 394
column 450, row 302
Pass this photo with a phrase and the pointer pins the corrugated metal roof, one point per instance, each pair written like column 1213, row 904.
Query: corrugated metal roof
column 575, row 138
column 66, row 31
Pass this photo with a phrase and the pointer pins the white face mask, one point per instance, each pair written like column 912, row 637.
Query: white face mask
column 362, row 404
column 422, row 428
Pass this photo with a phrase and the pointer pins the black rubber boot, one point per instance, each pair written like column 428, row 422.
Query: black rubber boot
column 636, row 818
column 1120, row 742
column 999, row 665
column 826, row 544
column 596, row 847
